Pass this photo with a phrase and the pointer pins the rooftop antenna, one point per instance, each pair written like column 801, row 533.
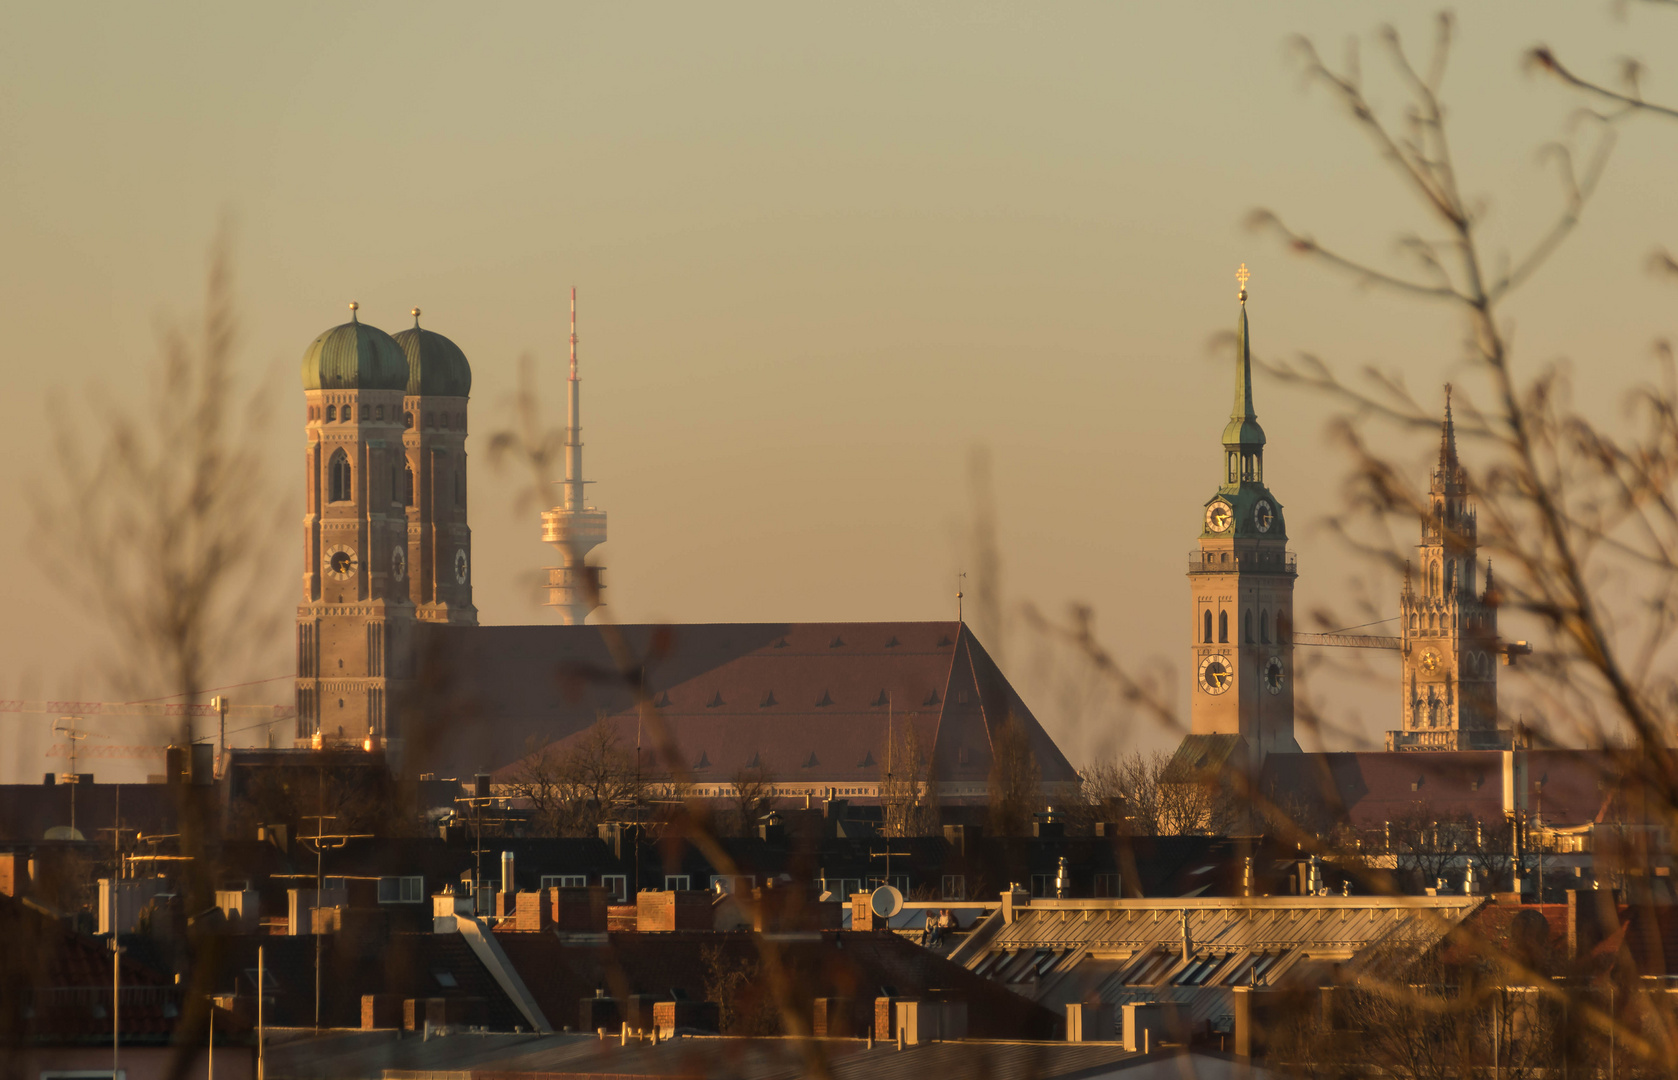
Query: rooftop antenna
column 959, row 576
column 66, row 727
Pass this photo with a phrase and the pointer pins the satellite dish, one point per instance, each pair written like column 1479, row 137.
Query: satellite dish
column 885, row 901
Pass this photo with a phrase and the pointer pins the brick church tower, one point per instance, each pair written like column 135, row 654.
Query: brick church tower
column 385, row 540
column 434, row 483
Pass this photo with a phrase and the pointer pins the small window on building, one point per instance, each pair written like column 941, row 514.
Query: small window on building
column 677, row 883
column 954, row 887
column 338, row 484
column 379, row 413
column 1223, row 626
column 332, row 412
column 407, row 419
column 1106, row 885
column 408, row 889
column 407, row 485
column 563, row 881
column 1247, row 627
column 1264, row 626
column 617, row 887
column 842, row 888
column 445, row 979
column 430, row 419
column 1206, row 626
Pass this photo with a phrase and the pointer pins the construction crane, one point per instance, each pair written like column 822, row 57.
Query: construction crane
column 256, row 713
column 1508, row 650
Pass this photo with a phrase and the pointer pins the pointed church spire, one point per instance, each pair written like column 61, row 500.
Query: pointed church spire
column 1448, row 475
column 1243, row 356
column 1448, row 436
column 1243, row 430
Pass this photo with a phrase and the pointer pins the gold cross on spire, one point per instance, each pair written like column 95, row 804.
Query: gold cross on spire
column 1241, row 277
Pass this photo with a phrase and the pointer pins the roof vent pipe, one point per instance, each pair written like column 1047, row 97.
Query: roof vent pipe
column 507, row 883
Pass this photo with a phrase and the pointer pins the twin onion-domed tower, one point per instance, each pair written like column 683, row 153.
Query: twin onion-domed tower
column 1241, row 580
column 385, row 536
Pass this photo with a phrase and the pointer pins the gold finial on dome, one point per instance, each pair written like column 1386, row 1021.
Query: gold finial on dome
column 416, row 314
column 354, row 307
column 1241, row 277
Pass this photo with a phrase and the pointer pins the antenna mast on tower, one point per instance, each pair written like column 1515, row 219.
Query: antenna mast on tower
column 574, row 527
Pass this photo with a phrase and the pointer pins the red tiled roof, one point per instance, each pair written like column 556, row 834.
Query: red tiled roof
column 65, row 980
column 808, row 701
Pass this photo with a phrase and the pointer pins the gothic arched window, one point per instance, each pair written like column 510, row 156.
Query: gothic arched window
column 1264, row 626
column 1223, row 626
column 1247, row 627
column 408, row 485
column 1206, row 626
column 367, row 412
column 332, row 412
column 459, row 488
column 338, row 478
column 407, row 419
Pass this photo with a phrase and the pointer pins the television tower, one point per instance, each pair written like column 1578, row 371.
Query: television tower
column 574, row 527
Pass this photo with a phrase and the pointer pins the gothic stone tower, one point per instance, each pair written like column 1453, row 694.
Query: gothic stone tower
column 1449, row 625
column 434, row 477
column 1241, row 586
column 353, row 626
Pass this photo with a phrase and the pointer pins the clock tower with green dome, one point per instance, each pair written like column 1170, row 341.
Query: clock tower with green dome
column 1241, row 588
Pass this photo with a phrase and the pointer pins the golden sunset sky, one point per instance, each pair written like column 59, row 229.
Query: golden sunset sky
column 822, row 253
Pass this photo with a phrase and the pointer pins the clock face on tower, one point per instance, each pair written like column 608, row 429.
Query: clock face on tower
column 1263, row 515
column 1275, row 675
column 398, row 562
column 1216, row 675
column 1430, row 661
column 1219, row 516
column 460, row 565
column 340, row 562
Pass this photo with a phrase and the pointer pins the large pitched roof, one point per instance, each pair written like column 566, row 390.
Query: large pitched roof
column 808, row 701
column 1565, row 787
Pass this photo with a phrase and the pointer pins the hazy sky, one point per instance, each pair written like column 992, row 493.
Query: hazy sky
column 822, row 252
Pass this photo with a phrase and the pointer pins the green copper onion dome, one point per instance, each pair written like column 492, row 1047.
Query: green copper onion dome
column 436, row 366
column 354, row 356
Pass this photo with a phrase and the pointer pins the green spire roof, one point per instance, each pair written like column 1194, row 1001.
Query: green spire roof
column 1243, row 428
